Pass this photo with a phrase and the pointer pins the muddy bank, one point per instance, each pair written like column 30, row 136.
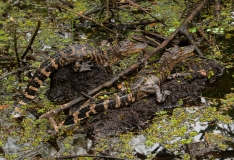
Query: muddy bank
column 195, row 76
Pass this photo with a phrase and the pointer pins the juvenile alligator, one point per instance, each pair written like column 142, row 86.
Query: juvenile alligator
column 148, row 81
column 78, row 53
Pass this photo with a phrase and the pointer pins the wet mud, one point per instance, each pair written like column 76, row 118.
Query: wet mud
column 196, row 75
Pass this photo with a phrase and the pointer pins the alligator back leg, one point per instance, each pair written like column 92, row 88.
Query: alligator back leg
column 148, row 88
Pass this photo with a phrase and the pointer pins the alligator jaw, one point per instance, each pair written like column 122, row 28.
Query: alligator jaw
column 183, row 53
column 130, row 48
column 124, row 49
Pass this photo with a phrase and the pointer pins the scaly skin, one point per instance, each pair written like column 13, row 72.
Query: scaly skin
column 148, row 81
column 76, row 54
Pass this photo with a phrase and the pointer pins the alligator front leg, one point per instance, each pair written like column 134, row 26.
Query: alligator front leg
column 155, row 89
column 81, row 67
column 86, row 66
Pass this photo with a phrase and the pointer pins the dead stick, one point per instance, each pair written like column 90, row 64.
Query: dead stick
column 204, row 36
column 32, row 40
column 144, row 10
column 52, row 121
column 131, row 68
column 189, row 18
column 88, row 155
column 16, row 50
column 153, row 34
column 184, row 31
column 141, row 38
column 13, row 72
column 85, row 17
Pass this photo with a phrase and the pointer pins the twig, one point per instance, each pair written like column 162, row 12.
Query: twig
column 141, row 38
column 10, row 73
column 88, row 155
column 129, row 69
column 151, row 39
column 144, row 10
column 87, row 96
column 32, row 40
column 88, row 101
column 152, row 34
column 66, row 3
column 207, row 138
column 184, row 31
column 53, row 123
column 124, row 26
column 85, row 17
column 16, row 51
column 201, row 33
column 215, row 154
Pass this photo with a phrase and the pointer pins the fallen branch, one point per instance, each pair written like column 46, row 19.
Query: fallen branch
column 184, row 31
column 131, row 68
column 144, row 10
column 88, row 155
column 203, row 35
column 13, row 72
column 206, row 155
column 85, row 17
column 142, row 38
column 15, row 48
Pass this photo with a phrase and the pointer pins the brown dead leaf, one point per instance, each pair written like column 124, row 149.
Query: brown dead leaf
column 3, row 107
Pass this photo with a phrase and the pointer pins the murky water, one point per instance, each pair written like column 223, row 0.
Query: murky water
column 225, row 84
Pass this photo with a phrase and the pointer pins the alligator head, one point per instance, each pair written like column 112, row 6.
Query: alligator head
column 181, row 53
column 123, row 49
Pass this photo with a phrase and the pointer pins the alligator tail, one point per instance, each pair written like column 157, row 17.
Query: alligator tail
column 61, row 58
column 42, row 73
column 92, row 109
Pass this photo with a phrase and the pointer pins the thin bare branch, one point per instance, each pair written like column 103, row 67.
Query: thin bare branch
column 144, row 10
column 85, row 17
column 131, row 68
column 16, row 71
column 32, row 40
column 88, row 155
column 16, row 50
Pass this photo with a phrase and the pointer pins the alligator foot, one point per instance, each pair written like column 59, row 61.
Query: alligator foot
column 142, row 60
column 164, row 96
column 84, row 67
